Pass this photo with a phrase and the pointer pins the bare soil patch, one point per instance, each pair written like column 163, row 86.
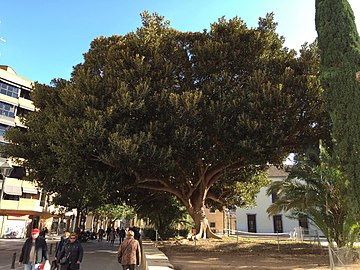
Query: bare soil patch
column 244, row 253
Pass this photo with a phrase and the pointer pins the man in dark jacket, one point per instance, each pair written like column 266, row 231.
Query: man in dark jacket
column 122, row 235
column 72, row 254
column 64, row 239
column 33, row 251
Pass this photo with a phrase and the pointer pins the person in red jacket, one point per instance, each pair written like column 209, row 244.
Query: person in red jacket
column 34, row 251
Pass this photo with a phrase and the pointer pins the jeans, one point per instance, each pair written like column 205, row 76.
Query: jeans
column 31, row 266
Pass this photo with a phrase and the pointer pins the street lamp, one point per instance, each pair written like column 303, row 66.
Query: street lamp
column 5, row 170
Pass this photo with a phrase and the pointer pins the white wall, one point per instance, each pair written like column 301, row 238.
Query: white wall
column 264, row 223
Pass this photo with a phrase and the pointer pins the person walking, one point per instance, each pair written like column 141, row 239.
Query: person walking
column 108, row 231
column 34, row 251
column 64, row 239
column 112, row 236
column 101, row 234
column 122, row 235
column 72, row 254
column 129, row 254
column 44, row 232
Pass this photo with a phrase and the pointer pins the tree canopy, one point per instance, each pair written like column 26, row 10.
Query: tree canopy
column 195, row 114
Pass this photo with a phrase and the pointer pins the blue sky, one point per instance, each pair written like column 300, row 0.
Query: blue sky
column 46, row 38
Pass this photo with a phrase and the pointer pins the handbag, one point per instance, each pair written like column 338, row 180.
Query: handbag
column 54, row 265
column 64, row 260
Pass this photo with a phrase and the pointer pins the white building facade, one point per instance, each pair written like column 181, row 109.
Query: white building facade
column 257, row 220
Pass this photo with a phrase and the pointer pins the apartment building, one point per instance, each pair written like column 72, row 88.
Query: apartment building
column 22, row 204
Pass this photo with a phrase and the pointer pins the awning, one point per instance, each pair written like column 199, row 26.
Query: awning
column 30, row 190
column 12, row 190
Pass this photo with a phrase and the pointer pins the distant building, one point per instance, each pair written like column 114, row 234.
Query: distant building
column 257, row 220
column 221, row 222
column 22, row 204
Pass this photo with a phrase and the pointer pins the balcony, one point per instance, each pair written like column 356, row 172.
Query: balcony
column 19, row 197
column 22, row 204
column 10, row 100
column 26, row 104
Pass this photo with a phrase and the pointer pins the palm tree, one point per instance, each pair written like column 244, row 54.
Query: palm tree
column 317, row 189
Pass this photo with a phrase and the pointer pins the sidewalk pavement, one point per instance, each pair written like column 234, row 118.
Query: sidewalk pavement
column 97, row 255
column 154, row 258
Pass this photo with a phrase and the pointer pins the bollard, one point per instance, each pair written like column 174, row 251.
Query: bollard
column 13, row 261
column 51, row 247
column 156, row 238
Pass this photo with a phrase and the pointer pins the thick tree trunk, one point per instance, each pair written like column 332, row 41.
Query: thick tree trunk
column 201, row 224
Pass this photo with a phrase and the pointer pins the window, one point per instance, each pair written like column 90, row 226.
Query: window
column 9, row 90
column 7, row 110
column 11, row 197
column 278, row 226
column 212, row 210
column 30, row 196
column 3, row 129
column 22, row 112
column 25, row 94
column 251, row 220
column 212, row 224
column 274, row 197
column 17, row 172
column 303, row 223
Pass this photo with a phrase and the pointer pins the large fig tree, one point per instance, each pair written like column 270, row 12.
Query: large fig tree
column 197, row 114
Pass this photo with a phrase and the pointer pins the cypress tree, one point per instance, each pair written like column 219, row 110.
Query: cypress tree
column 339, row 45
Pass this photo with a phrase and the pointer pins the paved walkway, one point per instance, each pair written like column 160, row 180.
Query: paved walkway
column 155, row 259
column 97, row 255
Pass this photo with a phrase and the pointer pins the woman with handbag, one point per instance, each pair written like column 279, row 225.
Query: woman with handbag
column 71, row 254
column 129, row 253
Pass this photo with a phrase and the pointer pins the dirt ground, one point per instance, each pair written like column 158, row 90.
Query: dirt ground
column 242, row 253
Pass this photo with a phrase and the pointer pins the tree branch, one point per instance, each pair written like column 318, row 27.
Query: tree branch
column 215, row 199
column 217, row 171
column 171, row 190
column 201, row 179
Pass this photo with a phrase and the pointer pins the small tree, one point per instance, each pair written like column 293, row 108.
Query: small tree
column 114, row 212
column 163, row 211
column 317, row 189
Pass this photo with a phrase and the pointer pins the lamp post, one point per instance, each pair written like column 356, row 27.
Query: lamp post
column 5, row 170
